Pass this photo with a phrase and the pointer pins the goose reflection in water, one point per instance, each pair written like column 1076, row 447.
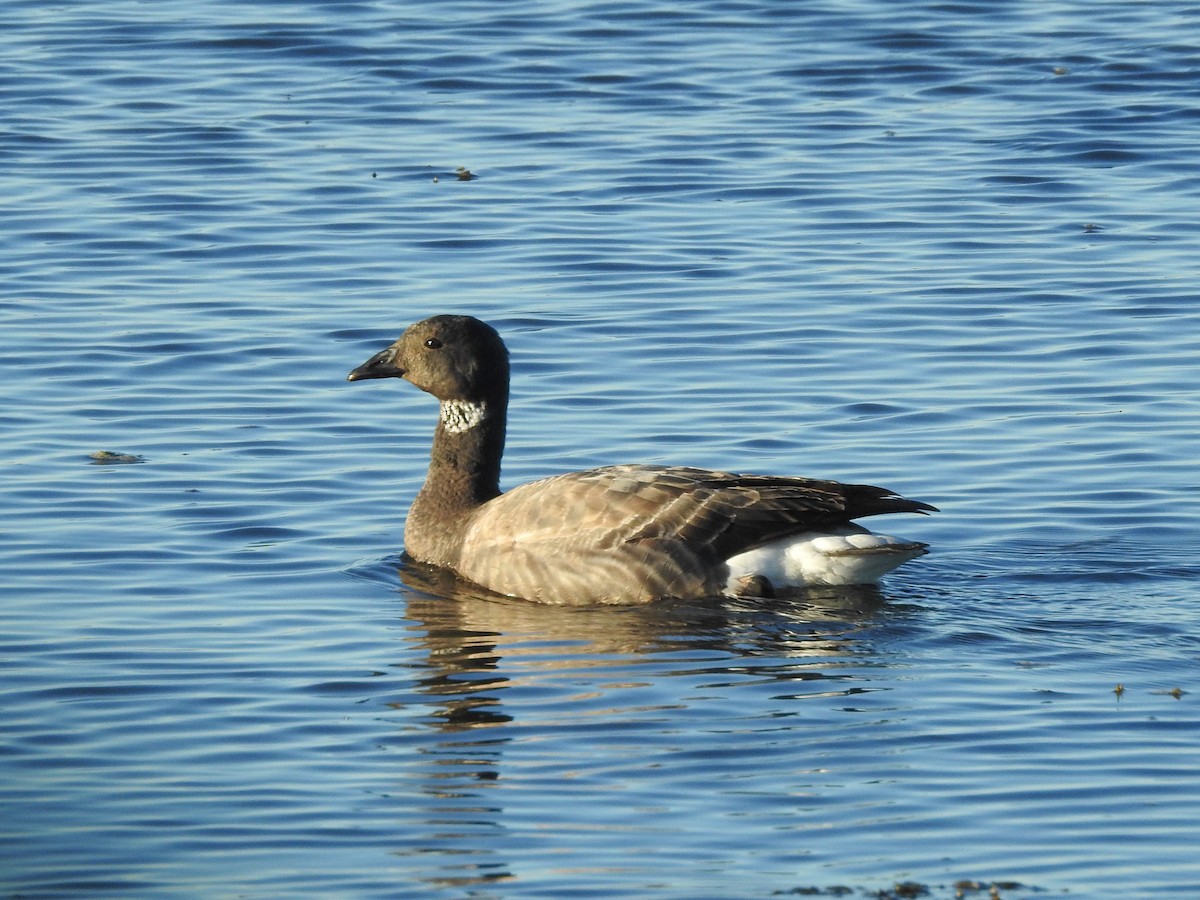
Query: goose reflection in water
column 511, row 688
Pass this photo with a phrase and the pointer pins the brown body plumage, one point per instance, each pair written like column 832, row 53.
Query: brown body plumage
column 619, row 534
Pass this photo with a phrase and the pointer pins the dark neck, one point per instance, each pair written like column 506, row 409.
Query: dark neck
column 468, row 443
column 464, row 473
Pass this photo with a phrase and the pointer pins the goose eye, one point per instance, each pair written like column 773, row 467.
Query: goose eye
column 433, row 343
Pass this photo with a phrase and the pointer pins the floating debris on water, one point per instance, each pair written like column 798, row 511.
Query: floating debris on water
column 908, row 890
column 963, row 889
column 109, row 458
column 1177, row 693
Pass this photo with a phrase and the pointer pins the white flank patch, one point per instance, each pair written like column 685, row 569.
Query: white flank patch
column 846, row 555
column 461, row 415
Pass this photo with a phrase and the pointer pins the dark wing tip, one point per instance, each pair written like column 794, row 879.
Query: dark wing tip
column 868, row 500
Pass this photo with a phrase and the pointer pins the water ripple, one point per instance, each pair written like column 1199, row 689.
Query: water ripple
column 952, row 254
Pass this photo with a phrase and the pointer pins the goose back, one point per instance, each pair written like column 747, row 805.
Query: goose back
column 633, row 533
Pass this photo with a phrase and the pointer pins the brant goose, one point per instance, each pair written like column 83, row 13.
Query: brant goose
column 618, row 534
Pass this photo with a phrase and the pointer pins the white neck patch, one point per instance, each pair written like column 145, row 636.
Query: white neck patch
column 461, row 415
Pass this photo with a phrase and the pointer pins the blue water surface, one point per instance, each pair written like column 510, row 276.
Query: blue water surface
column 948, row 247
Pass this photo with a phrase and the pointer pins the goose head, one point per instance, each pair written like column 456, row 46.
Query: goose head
column 454, row 358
